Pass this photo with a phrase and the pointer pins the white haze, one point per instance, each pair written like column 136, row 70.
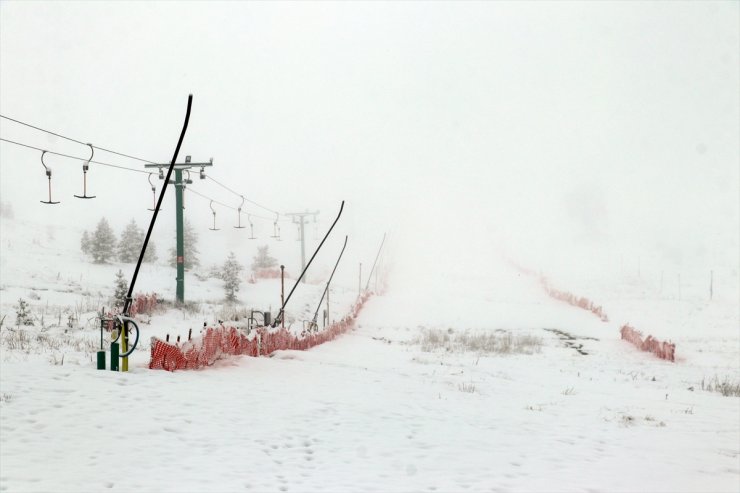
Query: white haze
column 574, row 136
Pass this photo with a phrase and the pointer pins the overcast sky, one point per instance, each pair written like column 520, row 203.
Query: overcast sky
column 560, row 131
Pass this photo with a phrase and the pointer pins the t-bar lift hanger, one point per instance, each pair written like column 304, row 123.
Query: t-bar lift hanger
column 85, row 167
column 48, row 175
column 276, row 228
column 214, row 228
column 251, row 227
column 154, row 192
column 239, row 213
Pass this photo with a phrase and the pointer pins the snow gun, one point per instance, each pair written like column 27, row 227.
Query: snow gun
column 281, row 313
column 121, row 323
column 312, row 325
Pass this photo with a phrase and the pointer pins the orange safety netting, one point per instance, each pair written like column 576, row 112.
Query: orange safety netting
column 574, row 300
column 559, row 294
column 661, row 349
column 143, row 303
column 215, row 342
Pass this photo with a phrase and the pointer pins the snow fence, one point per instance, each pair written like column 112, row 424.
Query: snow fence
column 559, row 294
column 143, row 303
column 577, row 301
column 216, row 342
column 661, row 349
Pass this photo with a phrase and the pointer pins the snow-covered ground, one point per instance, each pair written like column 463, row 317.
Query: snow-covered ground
column 375, row 410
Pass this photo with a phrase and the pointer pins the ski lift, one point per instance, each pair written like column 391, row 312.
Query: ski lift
column 85, row 167
column 154, row 192
column 251, row 227
column 187, row 181
column 239, row 213
column 48, row 175
column 202, row 173
column 276, row 228
column 214, row 228
column 161, row 174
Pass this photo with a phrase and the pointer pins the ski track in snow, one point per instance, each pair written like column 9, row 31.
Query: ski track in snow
column 371, row 411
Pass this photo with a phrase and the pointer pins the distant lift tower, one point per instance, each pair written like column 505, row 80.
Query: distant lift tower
column 300, row 219
column 179, row 185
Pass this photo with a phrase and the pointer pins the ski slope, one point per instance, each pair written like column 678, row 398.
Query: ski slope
column 372, row 411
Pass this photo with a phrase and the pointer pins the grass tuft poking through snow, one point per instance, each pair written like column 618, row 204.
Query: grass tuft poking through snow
column 480, row 342
column 467, row 387
column 25, row 341
column 724, row 387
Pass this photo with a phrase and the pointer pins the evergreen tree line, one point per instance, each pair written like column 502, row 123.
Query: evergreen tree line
column 102, row 245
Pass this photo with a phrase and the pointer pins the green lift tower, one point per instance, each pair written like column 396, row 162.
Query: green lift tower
column 179, row 185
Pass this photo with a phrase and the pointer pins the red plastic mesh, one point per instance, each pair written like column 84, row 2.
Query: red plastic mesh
column 661, row 349
column 570, row 298
column 573, row 300
column 143, row 303
column 215, row 342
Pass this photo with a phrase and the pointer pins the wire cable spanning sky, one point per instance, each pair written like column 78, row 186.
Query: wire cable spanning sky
column 573, row 133
column 113, row 165
column 72, row 140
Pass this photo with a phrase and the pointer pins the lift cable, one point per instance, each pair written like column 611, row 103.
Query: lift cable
column 240, row 195
column 119, row 154
column 206, row 197
column 128, row 169
column 75, row 140
column 73, row 157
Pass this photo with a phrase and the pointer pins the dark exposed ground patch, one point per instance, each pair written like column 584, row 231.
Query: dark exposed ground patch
column 571, row 341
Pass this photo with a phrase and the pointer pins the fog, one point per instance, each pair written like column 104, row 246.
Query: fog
column 571, row 136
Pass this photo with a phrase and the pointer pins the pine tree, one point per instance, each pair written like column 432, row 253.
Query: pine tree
column 103, row 242
column 85, row 243
column 230, row 274
column 129, row 246
column 131, row 243
column 119, row 296
column 151, row 252
column 23, row 313
column 263, row 260
column 190, row 238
